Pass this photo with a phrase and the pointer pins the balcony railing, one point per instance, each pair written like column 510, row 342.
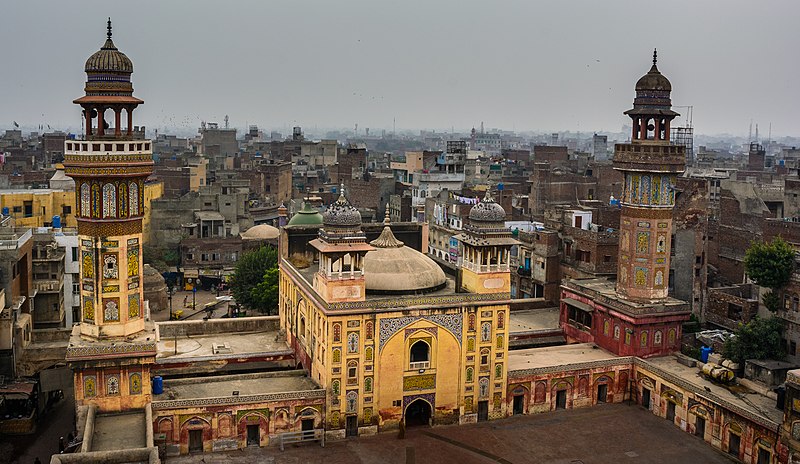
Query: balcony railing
column 48, row 286
column 419, row 365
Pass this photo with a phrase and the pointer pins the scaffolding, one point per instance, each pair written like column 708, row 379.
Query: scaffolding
column 684, row 136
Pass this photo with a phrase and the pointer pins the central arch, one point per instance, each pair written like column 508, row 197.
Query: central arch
column 418, row 412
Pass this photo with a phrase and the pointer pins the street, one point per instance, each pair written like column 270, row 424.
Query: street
column 56, row 423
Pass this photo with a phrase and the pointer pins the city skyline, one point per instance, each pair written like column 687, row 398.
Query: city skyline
column 411, row 65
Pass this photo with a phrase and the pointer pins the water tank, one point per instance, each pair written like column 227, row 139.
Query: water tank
column 56, row 222
column 5, row 211
column 158, row 385
column 704, row 352
column 718, row 373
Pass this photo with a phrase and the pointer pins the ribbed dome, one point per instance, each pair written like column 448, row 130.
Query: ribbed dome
column 109, row 59
column 307, row 216
column 487, row 210
column 393, row 267
column 653, row 80
column 341, row 213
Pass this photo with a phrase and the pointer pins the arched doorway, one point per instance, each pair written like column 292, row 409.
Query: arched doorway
column 418, row 413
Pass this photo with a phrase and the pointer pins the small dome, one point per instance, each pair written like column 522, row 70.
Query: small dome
column 393, row 267
column 261, row 232
column 487, row 210
column 653, row 80
column 108, row 58
column 341, row 213
column 307, row 216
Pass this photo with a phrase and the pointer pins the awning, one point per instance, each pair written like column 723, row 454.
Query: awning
column 578, row 304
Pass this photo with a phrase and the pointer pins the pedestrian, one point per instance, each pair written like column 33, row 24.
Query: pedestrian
column 185, row 300
column 61, row 445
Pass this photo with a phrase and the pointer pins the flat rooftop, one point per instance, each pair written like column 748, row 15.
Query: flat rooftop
column 553, row 356
column 201, row 347
column 113, row 432
column 607, row 288
column 528, row 320
column 245, row 384
column 738, row 395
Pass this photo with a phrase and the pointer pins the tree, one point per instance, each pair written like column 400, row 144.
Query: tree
column 758, row 339
column 770, row 264
column 254, row 282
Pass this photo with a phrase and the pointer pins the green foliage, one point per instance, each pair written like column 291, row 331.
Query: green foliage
column 758, row 339
column 265, row 295
column 770, row 264
column 255, row 282
column 772, row 300
column 691, row 351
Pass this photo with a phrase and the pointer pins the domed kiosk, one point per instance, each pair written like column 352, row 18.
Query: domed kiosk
column 393, row 268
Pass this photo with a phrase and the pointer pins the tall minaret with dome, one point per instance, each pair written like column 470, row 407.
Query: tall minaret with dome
column 109, row 167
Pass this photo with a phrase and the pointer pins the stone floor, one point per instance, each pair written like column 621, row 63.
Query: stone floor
column 609, row 433
column 119, row 431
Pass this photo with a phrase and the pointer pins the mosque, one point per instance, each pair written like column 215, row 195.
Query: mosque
column 372, row 333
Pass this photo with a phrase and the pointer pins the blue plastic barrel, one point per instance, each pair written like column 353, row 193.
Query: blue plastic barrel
column 704, row 352
column 158, row 385
column 56, row 222
column 5, row 211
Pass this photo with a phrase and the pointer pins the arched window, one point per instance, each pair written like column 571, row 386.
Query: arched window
column 123, row 200
column 133, row 198
column 368, row 353
column 109, row 201
column 485, row 357
column 470, row 373
column 420, row 352
column 302, row 332
column 352, row 400
column 336, row 388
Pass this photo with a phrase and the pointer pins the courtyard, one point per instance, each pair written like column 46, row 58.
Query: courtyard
column 617, row 433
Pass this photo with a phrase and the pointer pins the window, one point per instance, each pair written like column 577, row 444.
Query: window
column 484, row 357
column 579, row 316
column 792, row 348
column 74, row 253
column 419, row 355
column 66, row 209
column 28, row 205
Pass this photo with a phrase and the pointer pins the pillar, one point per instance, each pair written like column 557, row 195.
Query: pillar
column 130, row 120
column 87, row 113
column 117, row 114
column 657, row 131
column 642, row 128
column 100, row 126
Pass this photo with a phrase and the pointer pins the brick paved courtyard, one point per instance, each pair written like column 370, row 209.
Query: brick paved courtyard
column 598, row 435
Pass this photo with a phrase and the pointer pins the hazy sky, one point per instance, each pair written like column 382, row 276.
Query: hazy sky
column 524, row 65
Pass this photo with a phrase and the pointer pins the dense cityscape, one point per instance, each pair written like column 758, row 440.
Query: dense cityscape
column 295, row 294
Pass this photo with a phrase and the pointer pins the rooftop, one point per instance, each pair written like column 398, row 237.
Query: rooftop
column 556, row 356
column 231, row 345
column 113, row 432
column 533, row 319
column 738, row 396
column 244, row 384
column 603, row 291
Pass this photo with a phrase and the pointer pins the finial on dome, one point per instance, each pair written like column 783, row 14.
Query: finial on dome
column 108, row 34
column 386, row 219
column 655, row 56
column 488, row 195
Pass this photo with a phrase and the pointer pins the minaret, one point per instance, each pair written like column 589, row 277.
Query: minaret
column 487, row 246
column 342, row 246
column 650, row 165
column 111, row 350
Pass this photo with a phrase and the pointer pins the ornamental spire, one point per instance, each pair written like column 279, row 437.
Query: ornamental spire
column 108, row 34
column 655, row 56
